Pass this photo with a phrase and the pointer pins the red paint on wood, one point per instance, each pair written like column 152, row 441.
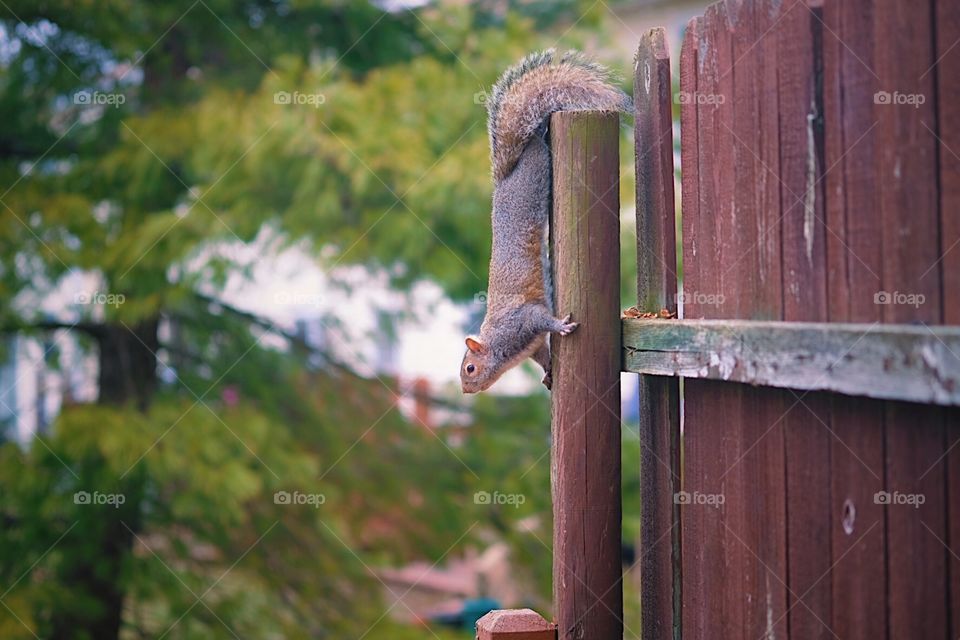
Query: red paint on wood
column 659, row 548
column 588, row 594
column 907, row 183
column 858, row 524
column 947, row 77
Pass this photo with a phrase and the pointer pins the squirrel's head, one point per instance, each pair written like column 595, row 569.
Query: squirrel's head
column 479, row 368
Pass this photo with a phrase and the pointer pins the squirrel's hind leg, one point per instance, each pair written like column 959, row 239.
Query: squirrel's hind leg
column 542, row 357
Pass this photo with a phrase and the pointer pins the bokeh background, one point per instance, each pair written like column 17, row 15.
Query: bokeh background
column 240, row 245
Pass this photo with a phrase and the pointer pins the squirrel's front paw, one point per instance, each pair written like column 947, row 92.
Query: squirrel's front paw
column 567, row 327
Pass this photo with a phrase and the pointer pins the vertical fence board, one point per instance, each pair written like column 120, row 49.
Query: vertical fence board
column 689, row 161
column 770, row 294
column 857, row 523
column 713, row 413
column 653, row 138
column 727, row 401
column 585, row 465
column 702, row 547
column 907, row 183
column 953, row 517
column 767, row 434
column 738, row 278
column 947, row 70
column 757, row 518
column 947, row 74
column 656, row 289
column 694, row 617
column 806, row 425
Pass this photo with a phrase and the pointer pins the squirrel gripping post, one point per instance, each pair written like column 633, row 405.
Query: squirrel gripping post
column 520, row 312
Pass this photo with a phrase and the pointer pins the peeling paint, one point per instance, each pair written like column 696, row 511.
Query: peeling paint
column 724, row 364
column 810, row 196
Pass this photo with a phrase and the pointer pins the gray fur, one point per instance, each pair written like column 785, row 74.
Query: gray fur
column 520, row 314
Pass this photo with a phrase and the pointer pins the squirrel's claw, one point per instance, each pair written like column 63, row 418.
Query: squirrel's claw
column 568, row 327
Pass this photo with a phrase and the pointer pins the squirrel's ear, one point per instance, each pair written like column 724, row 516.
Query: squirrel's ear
column 474, row 344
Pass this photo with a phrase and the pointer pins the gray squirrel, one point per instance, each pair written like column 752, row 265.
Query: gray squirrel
column 520, row 311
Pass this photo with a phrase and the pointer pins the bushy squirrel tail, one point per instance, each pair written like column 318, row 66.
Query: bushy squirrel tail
column 537, row 86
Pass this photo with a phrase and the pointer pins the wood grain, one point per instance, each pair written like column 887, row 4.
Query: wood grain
column 903, row 362
column 854, row 262
column 588, row 598
column 656, row 289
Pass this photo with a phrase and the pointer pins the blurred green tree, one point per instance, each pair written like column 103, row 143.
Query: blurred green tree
column 143, row 136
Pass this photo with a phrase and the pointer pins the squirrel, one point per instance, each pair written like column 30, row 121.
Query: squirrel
column 520, row 313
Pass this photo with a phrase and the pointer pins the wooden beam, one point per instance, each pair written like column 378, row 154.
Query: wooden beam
column 914, row 363
column 585, row 451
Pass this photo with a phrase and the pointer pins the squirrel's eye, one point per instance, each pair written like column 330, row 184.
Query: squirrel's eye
column 471, row 368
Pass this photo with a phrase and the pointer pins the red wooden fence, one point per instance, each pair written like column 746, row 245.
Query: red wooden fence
column 821, row 254
column 820, row 183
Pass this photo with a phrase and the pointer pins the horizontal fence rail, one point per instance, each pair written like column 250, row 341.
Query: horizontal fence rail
column 892, row 362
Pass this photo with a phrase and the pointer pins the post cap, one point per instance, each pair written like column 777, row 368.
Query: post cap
column 515, row 624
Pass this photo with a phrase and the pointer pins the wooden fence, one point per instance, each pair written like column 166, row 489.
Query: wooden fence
column 799, row 423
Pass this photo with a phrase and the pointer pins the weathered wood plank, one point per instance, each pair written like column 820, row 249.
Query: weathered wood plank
column 689, row 161
column 757, row 537
column 905, row 362
column 947, row 70
column 806, row 426
column 854, row 262
column 585, row 461
column 765, row 455
column 706, row 609
column 653, row 141
column 656, row 289
column 857, row 524
column 907, row 187
column 698, row 605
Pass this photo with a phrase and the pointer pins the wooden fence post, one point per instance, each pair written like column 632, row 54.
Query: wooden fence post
column 585, row 465
column 659, row 549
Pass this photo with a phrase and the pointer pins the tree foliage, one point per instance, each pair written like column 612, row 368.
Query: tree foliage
column 141, row 139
